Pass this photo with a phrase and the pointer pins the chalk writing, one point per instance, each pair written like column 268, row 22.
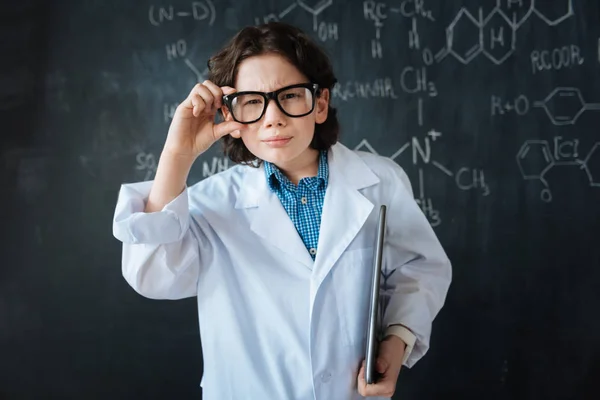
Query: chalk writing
column 198, row 11
column 169, row 111
column 378, row 88
column 414, row 80
column 519, row 105
column 146, row 163
column 178, row 51
column 376, row 12
column 556, row 59
column 470, row 34
column 466, row 178
column 325, row 30
column 535, row 159
column 563, row 106
column 216, row 165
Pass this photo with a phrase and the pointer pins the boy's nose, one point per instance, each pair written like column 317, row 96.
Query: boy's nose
column 273, row 115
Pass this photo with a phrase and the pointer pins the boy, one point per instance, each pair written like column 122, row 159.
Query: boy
column 278, row 249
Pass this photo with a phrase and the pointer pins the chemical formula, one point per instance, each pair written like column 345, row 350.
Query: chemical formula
column 468, row 35
column 489, row 30
column 536, row 158
column 563, row 106
column 465, row 178
column 146, row 164
column 198, row 10
column 324, row 30
column 177, row 51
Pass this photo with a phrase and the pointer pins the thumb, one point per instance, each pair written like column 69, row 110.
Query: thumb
column 381, row 365
column 227, row 127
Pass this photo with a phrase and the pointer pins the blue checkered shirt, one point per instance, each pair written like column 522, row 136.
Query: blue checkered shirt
column 304, row 202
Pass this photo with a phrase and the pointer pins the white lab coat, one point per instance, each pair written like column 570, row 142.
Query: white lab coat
column 273, row 323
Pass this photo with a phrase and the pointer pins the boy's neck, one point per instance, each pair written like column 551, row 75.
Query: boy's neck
column 306, row 165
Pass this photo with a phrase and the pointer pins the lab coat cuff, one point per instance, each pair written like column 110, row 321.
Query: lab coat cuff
column 134, row 226
column 407, row 337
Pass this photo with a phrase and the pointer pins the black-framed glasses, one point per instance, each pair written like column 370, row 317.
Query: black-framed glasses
column 294, row 101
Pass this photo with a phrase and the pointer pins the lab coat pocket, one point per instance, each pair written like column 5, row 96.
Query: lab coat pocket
column 351, row 281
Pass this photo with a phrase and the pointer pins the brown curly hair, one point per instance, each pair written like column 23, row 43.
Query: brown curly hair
column 300, row 50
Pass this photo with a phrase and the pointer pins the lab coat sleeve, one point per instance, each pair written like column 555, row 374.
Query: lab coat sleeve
column 160, row 258
column 417, row 268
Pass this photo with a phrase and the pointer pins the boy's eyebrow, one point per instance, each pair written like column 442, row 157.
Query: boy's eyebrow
column 271, row 90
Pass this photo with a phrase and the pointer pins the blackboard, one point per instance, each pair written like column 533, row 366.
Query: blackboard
column 492, row 107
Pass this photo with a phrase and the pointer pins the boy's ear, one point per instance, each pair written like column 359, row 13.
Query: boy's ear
column 225, row 113
column 322, row 106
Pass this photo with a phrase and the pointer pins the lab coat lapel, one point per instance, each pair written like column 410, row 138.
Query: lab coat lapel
column 268, row 218
column 345, row 209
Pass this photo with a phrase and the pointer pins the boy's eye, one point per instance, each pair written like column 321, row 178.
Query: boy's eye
column 252, row 102
column 290, row 96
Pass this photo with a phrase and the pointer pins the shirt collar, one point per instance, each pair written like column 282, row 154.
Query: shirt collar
column 276, row 179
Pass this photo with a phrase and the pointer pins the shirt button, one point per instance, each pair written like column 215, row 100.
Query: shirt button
column 325, row 376
column 304, row 200
column 313, row 251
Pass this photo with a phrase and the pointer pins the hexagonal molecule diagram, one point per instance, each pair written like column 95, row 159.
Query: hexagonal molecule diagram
column 499, row 37
column 591, row 165
column 553, row 12
column 481, row 7
column 492, row 28
column 564, row 105
column 535, row 159
column 516, row 11
column 463, row 37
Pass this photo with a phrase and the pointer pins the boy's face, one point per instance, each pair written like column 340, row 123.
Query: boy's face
column 276, row 137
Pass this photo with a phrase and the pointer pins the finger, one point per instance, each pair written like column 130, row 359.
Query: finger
column 216, row 92
column 361, row 384
column 228, row 89
column 361, row 373
column 220, row 91
column 228, row 127
column 187, row 103
column 193, row 104
column 381, row 365
column 386, row 383
column 208, row 98
column 383, row 388
column 362, row 368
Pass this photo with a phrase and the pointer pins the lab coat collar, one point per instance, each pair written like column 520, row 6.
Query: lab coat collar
column 345, row 210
